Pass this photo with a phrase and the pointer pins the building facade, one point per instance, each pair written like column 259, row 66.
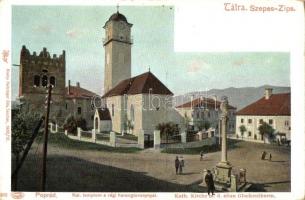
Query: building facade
column 36, row 72
column 206, row 109
column 274, row 109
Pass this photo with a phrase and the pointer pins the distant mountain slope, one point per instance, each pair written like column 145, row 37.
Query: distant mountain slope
column 238, row 97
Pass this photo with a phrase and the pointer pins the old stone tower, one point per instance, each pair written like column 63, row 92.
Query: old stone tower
column 117, row 45
column 36, row 72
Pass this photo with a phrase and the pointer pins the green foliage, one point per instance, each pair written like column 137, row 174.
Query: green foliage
column 22, row 127
column 203, row 124
column 70, row 124
column 81, row 122
column 266, row 129
column 242, row 130
column 186, row 121
column 167, row 129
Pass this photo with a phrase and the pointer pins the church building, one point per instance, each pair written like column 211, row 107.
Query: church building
column 140, row 102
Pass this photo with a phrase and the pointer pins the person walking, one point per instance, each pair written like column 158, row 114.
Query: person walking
column 270, row 157
column 181, row 165
column 177, row 163
column 201, row 155
column 209, row 182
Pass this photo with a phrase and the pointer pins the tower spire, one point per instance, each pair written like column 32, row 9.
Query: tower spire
column 117, row 8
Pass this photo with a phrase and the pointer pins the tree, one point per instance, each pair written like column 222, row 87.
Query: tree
column 186, row 121
column 70, row 124
column 242, row 130
column 22, row 125
column 203, row 124
column 266, row 130
column 167, row 130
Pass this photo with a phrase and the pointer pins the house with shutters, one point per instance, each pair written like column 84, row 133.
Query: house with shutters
column 273, row 109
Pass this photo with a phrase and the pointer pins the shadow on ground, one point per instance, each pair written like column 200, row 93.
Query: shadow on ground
column 261, row 187
column 71, row 174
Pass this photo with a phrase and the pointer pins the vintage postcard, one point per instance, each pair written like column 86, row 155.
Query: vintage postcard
column 152, row 99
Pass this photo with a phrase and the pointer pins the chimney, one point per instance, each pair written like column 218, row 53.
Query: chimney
column 268, row 93
column 69, row 84
column 77, row 84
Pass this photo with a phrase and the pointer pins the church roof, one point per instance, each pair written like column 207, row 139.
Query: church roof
column 203, row 102
column 277, row 104
column 117, row 17
column 140, row 84
column 104, row 114
column 78, row 92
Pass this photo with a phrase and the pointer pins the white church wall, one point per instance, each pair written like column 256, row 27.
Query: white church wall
column 115, row 106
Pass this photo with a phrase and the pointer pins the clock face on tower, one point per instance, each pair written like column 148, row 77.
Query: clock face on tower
column 121, row 26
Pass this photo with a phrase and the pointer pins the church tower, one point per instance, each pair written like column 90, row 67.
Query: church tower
column 117, row 45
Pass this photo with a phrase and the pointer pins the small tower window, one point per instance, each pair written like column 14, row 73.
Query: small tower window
column 36, row 81
column 44, row 81
column 112, row 110
column 79, row 110
column 52, row 81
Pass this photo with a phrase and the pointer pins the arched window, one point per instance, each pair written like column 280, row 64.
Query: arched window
column 131, row 113
column 52, row 81
column 36, row 81
column 44, row 81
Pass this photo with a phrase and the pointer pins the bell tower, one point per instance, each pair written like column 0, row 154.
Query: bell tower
column 117, row 44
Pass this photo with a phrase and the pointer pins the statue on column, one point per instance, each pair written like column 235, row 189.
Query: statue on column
column 223, row 167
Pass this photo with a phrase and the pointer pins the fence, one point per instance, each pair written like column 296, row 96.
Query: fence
column 99, row 138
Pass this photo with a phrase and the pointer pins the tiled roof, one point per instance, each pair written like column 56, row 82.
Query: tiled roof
column 140, row 84
column 277, row 104
column 104, row 114
column 78, row 92
column 203, row 102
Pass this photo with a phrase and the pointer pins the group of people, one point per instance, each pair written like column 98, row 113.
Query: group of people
column 179, row 164
column 264, row 153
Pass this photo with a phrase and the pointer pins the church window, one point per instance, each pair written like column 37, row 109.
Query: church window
column 241, row 120
column 44, row 81
column 112, row 110
column 270, row 121
column 45, row 71
column 52, row 81
column 66, row 106
column 36, row 81
column 249, row 134
column 131, row 113
column 79, row 110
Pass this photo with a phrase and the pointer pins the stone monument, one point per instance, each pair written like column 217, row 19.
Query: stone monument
column 223, row 167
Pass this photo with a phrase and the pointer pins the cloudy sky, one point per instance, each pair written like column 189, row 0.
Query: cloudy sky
column 78, row 30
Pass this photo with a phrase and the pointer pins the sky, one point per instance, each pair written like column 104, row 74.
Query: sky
column 79, row 31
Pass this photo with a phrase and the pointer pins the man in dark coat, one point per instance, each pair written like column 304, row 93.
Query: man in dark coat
column 177, row 163
column 210, row 182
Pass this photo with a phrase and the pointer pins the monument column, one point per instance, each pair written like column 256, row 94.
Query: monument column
column 223, row 167
column 224, row 120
